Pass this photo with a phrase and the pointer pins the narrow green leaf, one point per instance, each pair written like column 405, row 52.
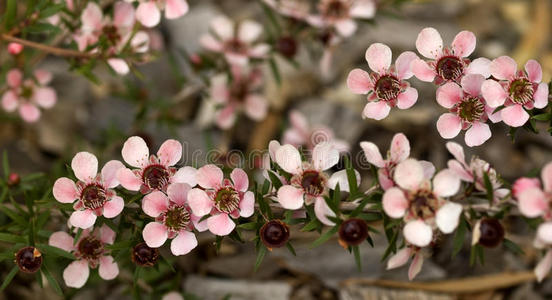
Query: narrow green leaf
column 543, row 117
column 325, row 237
column 10, row 14
column 392, row 247
column 488, row 187
column 275, row 180
column 512, row 247
column 275, row 71
column 12, row 238
column 9, row 278
column 356, row 251
column 53, row 282
column 351, row 177
column 54, row 251
column 5, row 164
column 459, row 236
column 260, row 256
column 291, row 249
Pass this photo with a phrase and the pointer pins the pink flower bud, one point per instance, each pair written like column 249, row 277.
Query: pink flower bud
column 15, row 48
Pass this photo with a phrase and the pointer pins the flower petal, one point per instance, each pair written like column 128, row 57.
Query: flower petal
column 400, row 258
column 85, row 166
column 372, row 154
column 65, row 190
column 155, row 234
column 422, row 70
column 128, row 179
column 534, row 71
column 45, row 97
column 83, row 218
column 402, row 64
column 109, row 173
column 503, row 68
column 223, row 27
column 113, row 207
column 62, row 240
column 199, row 202
column 478, row 134
column 290, row 197
column 394, row 203
column 544, row 232
column 340, row 177
column 448, row 216
column 209, row 176
column 221, row 224
column 178, row 193
column 514, row 116
column 76, row 273
column 324, row 156
column 247, row 205
column 449, row 125
column 322, row 211
column 183, row 243
column 400, row 148
column 446, row 183
column 376, row 110
column 543, row 268
column 148, row 14
column 429, row 43
column 170, row 152
column 546, row 175
column 471, row 83
column 541, row 95
column 532, row 202
column 409, row 174
column 449, row 95
column 256, row 107
column 249, row 31
column 407, row 98
column 176, row 9
column 464, row 43
column 493, row 92
column 359, row 82
column 108, row 268
column 185, row 175
column 418, row 233
column 135, row 152
column 415, row 266
column 289, row 159
column 479, row 66
column 378, row 57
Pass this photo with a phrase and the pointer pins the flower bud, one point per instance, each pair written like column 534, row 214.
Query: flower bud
column 15, row 48
column 353, row 232
column 287, row 46
column 28, row 259
column 491, row 233
column 274, row 234
column 144, row 256
column 13, row 179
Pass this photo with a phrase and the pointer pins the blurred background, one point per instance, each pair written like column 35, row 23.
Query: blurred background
column 169, row 102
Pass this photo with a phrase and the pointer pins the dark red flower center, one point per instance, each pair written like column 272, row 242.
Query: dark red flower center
column 335, row 9
column 423, row 204
column 239, row 91
column 471, row 109
column 450, row 68
column 387, row 87
column 156, row 177
column 492, row 233
column 27, row 91
column 521, row 91
column 235, row 46
column 352, row 232
column 227, row 199
column 111, row 33
column 28, row 259
column 176, row 218
column 287, row 46
column 274, row 234
column 90, row 248
column 93, row 196
column 144, row 256
column 313, row 183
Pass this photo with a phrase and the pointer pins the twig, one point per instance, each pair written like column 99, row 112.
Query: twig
column 48, row 49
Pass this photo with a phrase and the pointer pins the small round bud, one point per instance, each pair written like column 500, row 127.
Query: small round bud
column 353, row 232
column 144, row 256
column 492, row 233
column 287, row 46
column 274, row 234
column 196, row 59
column 15, row 48
column 13, row 179
column 28, row 259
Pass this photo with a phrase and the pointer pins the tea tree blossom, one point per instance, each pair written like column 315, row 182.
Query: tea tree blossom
column 467, row 110
column 148, row 12
column 91, row 253
column 386, row 86
column 94, row 192
column 297, row 9
column 154, row 172
column 474, row 171
column 301, row 133
column 117, row 31
column 28, row 95
column 239, row 94
column 516, row 90
column 173, row 219
column 403, row 256
column 15, row 48
column 221, row 198
column 534, row 201
column 339, row 14
column 309, row 183
column 238, row 43
column 421, row 203
column 447, row 64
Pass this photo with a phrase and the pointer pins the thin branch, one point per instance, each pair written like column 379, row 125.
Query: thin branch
column 48, row 49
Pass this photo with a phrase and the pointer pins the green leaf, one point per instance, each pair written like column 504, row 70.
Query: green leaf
column 260, row 256
column 512, row 247
column 275, row 71
column 356, row 251
column 325, row 237
column 392, row 247
column 249, row 226
column 14, row 216
column 54, row 251
column 11, row 14
column 351, row 177
column 5, row 164
column 53, row 282
column 291, row 249
column 9, row 278
column 51, row 10
column 488, row 187
column 360, row 207
column 12, row 238
column 275, row 180
column 459, row 236
column 543, row 117
column 41, row 28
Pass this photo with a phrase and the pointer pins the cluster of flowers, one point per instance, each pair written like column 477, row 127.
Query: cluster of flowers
column 114, row 38
column 473, row 91
column 179, row 201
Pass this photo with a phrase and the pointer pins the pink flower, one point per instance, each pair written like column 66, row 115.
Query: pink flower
column 421, row 204
column 516, row 90
column 90, row 251
column 93, row 191
column 173, row 219
column 149, row 11
column 117, row 32
column 467, row 110
column 447, row 64
column 154, row 173
column 339, row 14
column 309, row 183
column 474, row 171
column 385, row 86
column 237, row 43
column 239, row 94
column 27, row 95
column 297, row 9
column 399, row 151
column 401, row 258
column 221, row 198
column 534, row 201
column 15, row 48
column 301, row 133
